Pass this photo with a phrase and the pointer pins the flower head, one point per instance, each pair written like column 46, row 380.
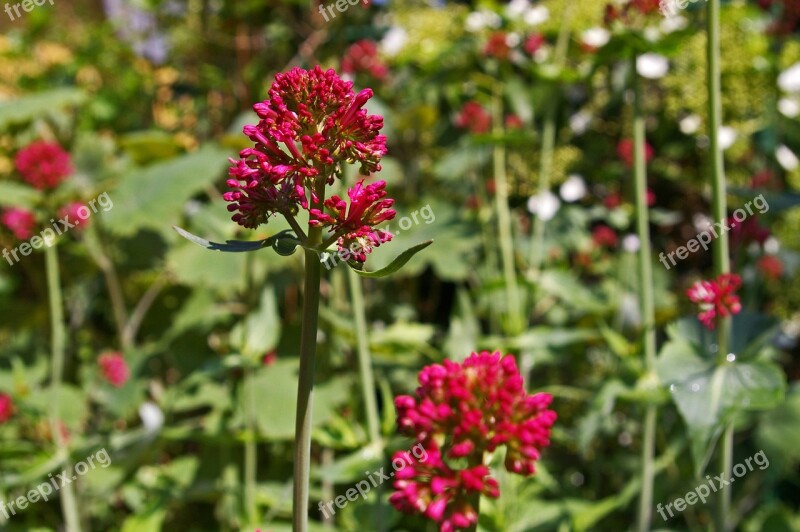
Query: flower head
column 604, row 236
column 625, row 152
column 475, row 407
column 310, row 126
column 77, row 213
column 716, row 298
column 20, row 222
column 43, row 165
column 6, row 407
column 474, row 118
column 114, row 368
column 362, row 56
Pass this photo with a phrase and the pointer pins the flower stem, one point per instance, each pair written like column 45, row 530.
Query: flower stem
column 646, row 298
column 515, row 323
column 250, row 448
column 305, row 388
column 67, row 494
column 719, row 212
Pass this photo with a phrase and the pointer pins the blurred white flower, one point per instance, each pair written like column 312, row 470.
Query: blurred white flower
column 477, row 20
column 596, row 37
column 652, row 66
column 512, row 39
column 394, row 41
column 630, row 243
column 544, row 205
column 536, row 15
column 689, row 124
column 772, row 246
column 788, row 107
column 670, row 24
column 789, row 79
column 573, row 189
column 786, row 158
column 517, row 8
column 727, row 136
column 701, row 222
column 579, row 122
column 152, row 417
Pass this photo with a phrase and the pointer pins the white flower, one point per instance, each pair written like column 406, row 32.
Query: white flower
column 596, row 37
column 152, row 416
column 544, row 205
column 670, row 24
column 786, row 158
column 788, row 108
column 573, row 189
column 772, row 246
column 727, row 136
column 394, row 41
column 516, row 8
column 789, row 80
column 652, row 66
column 630, row 243
column 689, row 124
column 701, row 222
column 536, row 15
column 579, row 122
column 512, row 39
column 477, row 20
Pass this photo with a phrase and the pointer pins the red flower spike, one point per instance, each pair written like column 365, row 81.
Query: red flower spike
column 43, row 165
column 6, row 407
column 114, row 368
column 716, row 298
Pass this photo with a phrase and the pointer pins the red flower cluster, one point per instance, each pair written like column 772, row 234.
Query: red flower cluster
column 746, row 231
column 625, row 152
column 20, row 222
column 72, row 211
column 771, row 266
column 362, row 56
column 114, row 369
column 43, row 165
column 630, row 11
column 716, row 298
column 474, row 118
column 497, row 46
column 354, row 227
column 475, row 407
column 6, row 407
column 787, row 15
column 311, row 124
column 533, row 43
column 604, row 236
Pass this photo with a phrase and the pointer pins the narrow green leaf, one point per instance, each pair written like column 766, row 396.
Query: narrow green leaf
column 397, row 263
column 230, row 246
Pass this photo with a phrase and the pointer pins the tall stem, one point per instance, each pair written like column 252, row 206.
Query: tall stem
column 250, row 448
column 365, row 359
column 515, row 320
column 305, row 388
column 719, row 210
column 67, row 494
column 646, row 299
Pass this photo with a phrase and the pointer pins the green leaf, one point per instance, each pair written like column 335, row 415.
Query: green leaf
column 27, row 108
column 18, row 195
column 230, row 246
column 260, row 331
column 397, row 263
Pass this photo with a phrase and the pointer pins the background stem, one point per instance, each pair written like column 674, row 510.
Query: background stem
column 67, row 494
column 250, row 448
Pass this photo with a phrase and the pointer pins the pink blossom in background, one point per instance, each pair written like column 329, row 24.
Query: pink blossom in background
column 6, row 407
column 625, row 152
column 716, row 298
column 604, row 237
column 20, row 222
column 71, row 210
column 474, row 118
column 43, row 165
column 362, row 56
column 114, row 368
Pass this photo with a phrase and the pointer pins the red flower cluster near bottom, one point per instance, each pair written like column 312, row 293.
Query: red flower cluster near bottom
column 461, row 412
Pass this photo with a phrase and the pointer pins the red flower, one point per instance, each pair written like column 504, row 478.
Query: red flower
column 474, row 118
column 771, row 266
column 474, row 407
column 746, row 231
column 716, row 298
column 310, row 126
column 613, row 200
column 513, row 122
column 630, row 12
column 533, row 43
column 625, row 152
column 786, row 15
column 72, row 212
column 497, row 46
column 114, row 368
column 354, row 227
column 604, row 236
column 362, row 56
column 270, row 358
column 6, row 407
column 20, row 222
column 43, row 165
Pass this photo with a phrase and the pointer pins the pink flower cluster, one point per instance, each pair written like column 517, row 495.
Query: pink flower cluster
column 362, row 56
column 310, row 126
column 43, row 165
column 474, row 407
column 6, row 407
column 474, row 118
column 716, row 298
column 20, row 222
column 114, row 368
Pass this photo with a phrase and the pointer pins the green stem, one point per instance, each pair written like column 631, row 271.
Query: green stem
column 250, row 448
column 305, row 388
column 719, row 212
column 515, row 320
column 365, row 359
column 646, row 297
column 67, row 494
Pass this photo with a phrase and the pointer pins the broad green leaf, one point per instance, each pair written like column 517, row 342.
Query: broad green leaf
column 779, row 430
column 18, row 195
column 260, row 331
column 397, row 263
column 32, row 106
